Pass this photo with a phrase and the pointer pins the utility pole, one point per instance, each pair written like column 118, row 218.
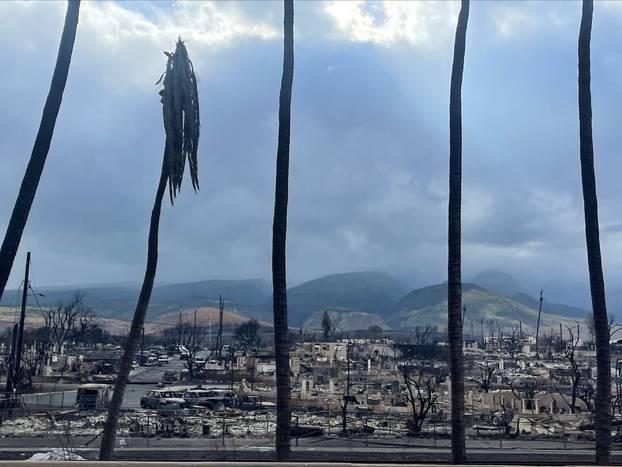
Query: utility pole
column 538, row 327
column 346, row 398
column 231, row 357
column 8, row 389
column 179, row 329
column 209, row 331
column 221, row 307
column 20, row 333
column 194, row 349
column 194, row 330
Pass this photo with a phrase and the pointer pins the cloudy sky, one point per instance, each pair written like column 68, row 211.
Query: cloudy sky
column 369, row 154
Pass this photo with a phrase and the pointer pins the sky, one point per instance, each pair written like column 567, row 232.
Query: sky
column 369, row 149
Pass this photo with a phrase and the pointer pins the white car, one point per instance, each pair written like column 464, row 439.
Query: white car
column 204, row 398
column 162, row 399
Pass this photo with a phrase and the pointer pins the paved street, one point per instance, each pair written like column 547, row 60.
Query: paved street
column 208, row 452
column 145, row 378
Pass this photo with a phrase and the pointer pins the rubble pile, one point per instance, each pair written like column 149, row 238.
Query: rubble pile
column 236, row 424
column 56, row 455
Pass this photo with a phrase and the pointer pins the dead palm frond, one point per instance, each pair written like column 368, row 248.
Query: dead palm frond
column 180, row 110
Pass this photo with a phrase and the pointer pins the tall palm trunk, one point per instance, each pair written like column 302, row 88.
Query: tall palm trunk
column 592, row 237
column 133, row 339
column 180, row 112
column 40, row 150
column 279, row 235
column 454, row 279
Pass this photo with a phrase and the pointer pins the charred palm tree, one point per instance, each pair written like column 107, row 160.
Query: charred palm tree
column 40, row 150
column 181, row 125
column 592, row 237
column 454, row 279
column 279, row 235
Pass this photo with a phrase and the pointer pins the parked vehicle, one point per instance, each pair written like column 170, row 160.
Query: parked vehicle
column 249, row 402
column 163, row 359
column 229, row 398
column 183, row 352
column 169, row 377
column 163, row 399
column 204, row 398
column 93, row 396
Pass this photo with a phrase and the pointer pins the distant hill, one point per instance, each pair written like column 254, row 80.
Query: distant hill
column 205, row 317
column 357, row 299
column 345, row 321
column 247, row 295
column 367, row 292
column 107, row 300
column 552, row 308
column 499, row 282
column 428, row 305
column 503, row 283
column 9, row 316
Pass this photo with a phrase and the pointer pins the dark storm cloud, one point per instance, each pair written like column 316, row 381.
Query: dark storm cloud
column 369, row 139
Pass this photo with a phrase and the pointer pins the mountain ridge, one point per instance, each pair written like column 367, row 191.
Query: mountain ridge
column 376, row 296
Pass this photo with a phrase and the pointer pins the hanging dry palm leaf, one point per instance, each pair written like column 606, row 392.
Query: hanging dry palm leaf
column 180, row 109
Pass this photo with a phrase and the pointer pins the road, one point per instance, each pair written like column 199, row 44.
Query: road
column 141, row 380
column 210, row 451
column 145, row 378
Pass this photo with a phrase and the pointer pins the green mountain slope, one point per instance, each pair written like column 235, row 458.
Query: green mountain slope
column 368, row 292
column 503, row 283
column 428, row 305
column 551, row 308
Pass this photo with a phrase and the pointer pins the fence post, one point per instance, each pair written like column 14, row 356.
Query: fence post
column 500, row 438
column 62, row 400
column 50, row 399
column 564, row 434
column 37, row 402
column 148, row 429
column 434, row 432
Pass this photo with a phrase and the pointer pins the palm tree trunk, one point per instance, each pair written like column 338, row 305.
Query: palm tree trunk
column 131, row 346
column 454, row 279
column 40, row 150
column 592, row 237
column 279, row 234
